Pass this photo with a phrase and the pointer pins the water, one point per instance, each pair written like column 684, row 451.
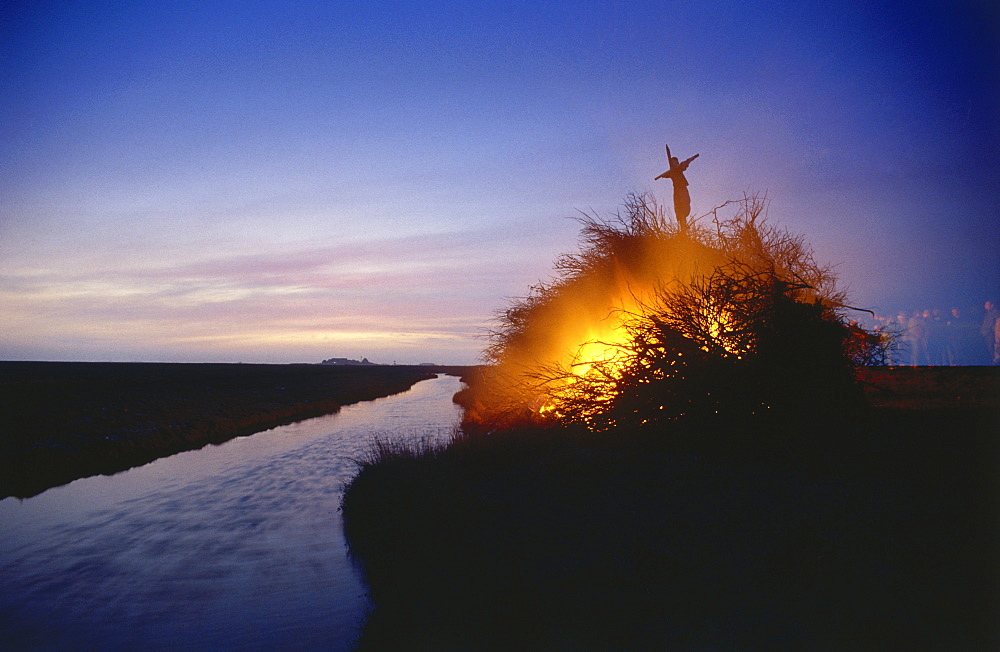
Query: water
column 237, row 546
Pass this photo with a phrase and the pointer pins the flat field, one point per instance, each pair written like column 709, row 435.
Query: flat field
column 66, row 420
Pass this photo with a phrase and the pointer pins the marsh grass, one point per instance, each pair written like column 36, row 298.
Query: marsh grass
column 565, row 538
column 388, row 449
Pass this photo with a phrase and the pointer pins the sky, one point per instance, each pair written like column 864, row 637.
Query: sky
column 293, row 181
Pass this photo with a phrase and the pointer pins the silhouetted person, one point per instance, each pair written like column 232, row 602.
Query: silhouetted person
column 682, row 200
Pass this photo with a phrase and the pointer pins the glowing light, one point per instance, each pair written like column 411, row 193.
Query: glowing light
column 644, row 303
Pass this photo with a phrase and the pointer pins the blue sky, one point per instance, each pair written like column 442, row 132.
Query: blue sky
column 291, row 181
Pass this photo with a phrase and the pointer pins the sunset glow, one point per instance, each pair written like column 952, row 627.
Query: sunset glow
column 265, row 183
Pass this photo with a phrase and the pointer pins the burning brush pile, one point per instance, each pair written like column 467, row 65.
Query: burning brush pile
column 675, row 461
column 650, row 323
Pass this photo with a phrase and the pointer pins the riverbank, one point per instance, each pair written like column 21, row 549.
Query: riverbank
column 67, row 420
column 880, row 531
column 233, row 547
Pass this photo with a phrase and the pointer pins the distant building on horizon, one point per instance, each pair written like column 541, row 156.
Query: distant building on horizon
column 347, row 362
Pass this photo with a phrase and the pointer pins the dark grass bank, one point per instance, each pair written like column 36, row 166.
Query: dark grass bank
column 63, row 421
column 877, row 532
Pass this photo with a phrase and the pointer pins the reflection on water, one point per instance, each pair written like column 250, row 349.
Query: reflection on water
column 231, row 546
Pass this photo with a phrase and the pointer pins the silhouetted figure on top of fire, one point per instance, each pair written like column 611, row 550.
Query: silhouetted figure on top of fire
column 682, row 200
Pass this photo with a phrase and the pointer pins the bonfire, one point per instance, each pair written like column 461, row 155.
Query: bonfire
column 653, row 321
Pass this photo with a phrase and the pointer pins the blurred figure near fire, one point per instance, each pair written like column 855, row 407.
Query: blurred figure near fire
column 897, row 326
column 916, row 336
column 937, row 341
column 961, row 338
column 988, row 330
column 996, row 342
column 682, row 199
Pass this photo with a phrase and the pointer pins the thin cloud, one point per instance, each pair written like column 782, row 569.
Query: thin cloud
column 393, row 292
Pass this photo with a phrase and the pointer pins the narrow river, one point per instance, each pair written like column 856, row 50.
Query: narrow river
column 237, row 546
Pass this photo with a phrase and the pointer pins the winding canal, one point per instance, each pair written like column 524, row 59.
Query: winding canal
column 236, row 546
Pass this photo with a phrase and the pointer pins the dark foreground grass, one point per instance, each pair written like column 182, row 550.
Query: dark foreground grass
column 63, row 421
column 877, row 533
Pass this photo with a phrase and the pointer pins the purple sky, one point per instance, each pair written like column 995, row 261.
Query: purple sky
column 292, row 181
